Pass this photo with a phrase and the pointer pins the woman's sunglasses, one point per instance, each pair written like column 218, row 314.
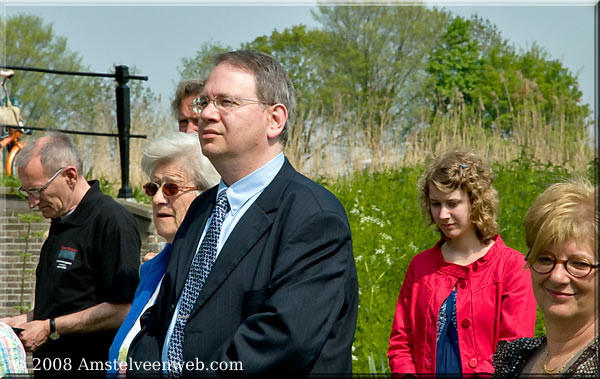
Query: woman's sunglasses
column 169, row 189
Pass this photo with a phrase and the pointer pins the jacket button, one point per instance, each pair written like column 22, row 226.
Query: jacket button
column 472, row 362
column 462, row 284
column 466, row 323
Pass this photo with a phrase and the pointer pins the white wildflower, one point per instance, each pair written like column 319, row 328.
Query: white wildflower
column 386, row 237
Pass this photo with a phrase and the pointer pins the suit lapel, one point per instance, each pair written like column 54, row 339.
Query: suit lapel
column 254, row 223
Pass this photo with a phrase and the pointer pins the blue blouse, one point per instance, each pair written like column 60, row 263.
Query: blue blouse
column 447, row 353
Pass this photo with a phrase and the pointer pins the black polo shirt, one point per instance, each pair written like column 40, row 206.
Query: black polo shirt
column 90, row 256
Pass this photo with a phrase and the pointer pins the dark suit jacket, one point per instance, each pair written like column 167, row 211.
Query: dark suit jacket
column 282, row 296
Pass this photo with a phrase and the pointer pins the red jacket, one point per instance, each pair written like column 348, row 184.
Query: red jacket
column 494, row 301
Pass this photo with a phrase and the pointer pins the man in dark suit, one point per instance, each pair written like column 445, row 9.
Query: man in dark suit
column 282, row 294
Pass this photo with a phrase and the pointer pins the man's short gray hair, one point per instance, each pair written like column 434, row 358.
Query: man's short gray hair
column 184, row 149
column 55, row 150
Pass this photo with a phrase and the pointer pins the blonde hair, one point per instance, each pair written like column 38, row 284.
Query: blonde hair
column 462, row 169
column 564, row 211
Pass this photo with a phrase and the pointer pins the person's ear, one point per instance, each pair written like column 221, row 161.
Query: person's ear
column 277, row 118
column 71, row 175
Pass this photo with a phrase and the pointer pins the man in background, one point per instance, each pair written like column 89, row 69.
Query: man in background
column 182, row 107
column 88, row 267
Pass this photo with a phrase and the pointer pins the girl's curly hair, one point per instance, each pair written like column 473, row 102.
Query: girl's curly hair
column 462, row 169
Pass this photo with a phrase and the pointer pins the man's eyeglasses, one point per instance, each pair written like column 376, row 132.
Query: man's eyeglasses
column 169, row 189
column 576, row 267
column 35, row 192
column 222, row 103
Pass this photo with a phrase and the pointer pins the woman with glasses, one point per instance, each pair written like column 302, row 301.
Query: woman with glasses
column 178, row 173
column 467, row 292
column 561, row 230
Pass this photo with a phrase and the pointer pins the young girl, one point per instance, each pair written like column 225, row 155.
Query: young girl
column 470, row 290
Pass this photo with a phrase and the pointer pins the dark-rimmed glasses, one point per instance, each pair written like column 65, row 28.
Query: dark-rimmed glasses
column 576, row 267
column 169, row 189
column 222, row 102
column 35, row 192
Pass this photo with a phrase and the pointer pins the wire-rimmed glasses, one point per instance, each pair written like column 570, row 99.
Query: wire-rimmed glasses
column 222, row 103
column 35, row 192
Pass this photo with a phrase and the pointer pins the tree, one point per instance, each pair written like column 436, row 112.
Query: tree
column 371, row 72
column 46, row 99
column 74, row 102
column 367, row 58
column 455, row 63
column 300, row 50
column 377, row 53
column 200, row 65
column 475, row 66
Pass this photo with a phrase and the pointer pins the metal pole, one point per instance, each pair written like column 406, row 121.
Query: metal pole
column 123, row 124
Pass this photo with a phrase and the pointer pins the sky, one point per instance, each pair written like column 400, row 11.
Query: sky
column 154, row 36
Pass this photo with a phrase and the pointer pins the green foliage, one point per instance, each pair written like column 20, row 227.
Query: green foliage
column 140, row 195
column 518, row 183
column 368, row 58
column 388, row 230
column 454, row 63
column 378, row 69
column 67, row 101
column 300, row 51
column 474, row 63
column 10, row 181
column 509, row 80
column 112, row 189
column 200, row 65
column 382, row 209
column 375, row 62
column 46, row 99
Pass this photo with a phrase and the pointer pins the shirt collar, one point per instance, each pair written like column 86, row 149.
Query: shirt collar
column 79, row 214
column 244, row 189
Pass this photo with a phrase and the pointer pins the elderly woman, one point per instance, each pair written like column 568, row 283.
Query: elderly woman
column 561, row 227
column 178, row 172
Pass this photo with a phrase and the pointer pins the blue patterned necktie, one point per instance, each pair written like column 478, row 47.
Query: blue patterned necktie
column 199, row 270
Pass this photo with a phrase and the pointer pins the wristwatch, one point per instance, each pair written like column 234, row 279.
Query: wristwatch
column 53, row 333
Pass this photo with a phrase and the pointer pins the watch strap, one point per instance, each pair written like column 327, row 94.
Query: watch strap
column 52, row 325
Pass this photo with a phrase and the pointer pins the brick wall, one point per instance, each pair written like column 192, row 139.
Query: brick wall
column 12, row 241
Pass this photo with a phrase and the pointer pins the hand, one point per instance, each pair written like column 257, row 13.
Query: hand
column 148, row 256
column 8, row 321
column 15, row 320
column 35, row 334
